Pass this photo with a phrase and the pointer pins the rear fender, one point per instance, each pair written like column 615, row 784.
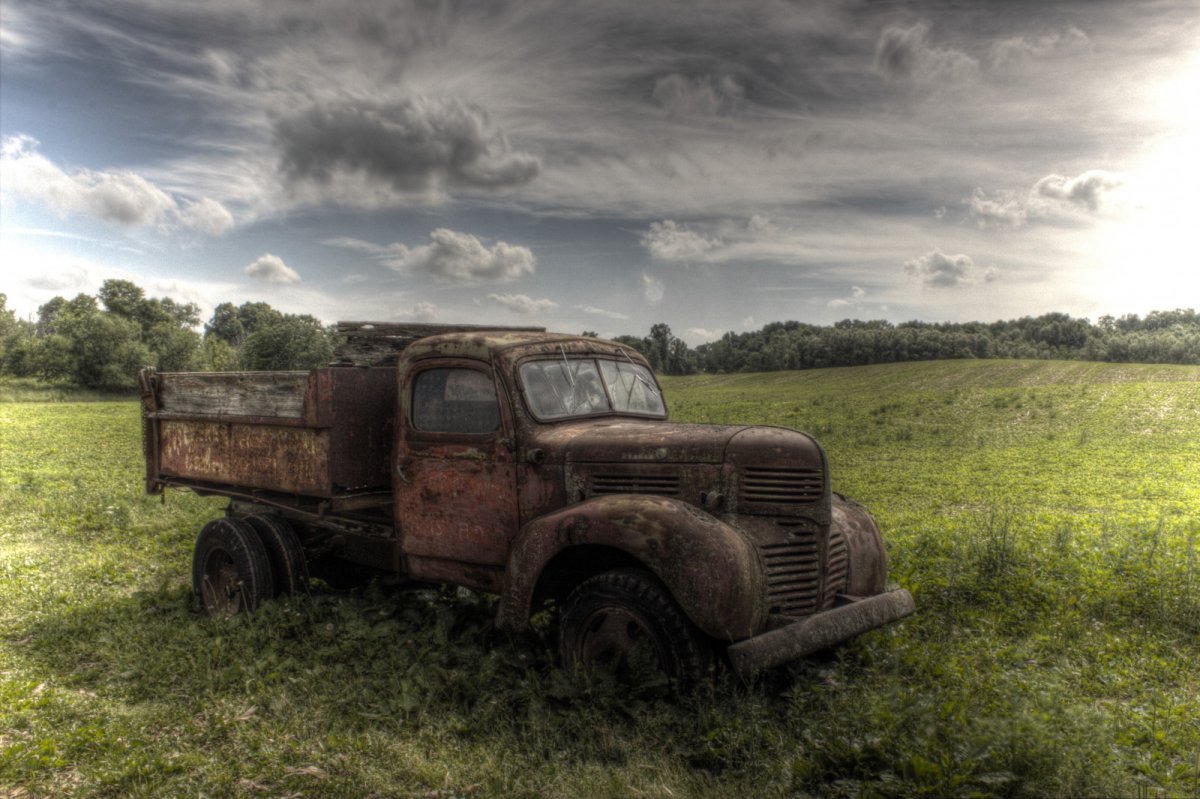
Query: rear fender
column 710, row 569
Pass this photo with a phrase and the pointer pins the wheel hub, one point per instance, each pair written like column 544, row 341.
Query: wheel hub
column 221, row 587
column 618, row 637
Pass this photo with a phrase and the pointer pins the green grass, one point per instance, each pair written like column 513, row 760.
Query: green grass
column 28, row 389
column 1045, row 515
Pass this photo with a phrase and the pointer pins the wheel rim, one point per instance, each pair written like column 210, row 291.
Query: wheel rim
column 220, row 585
column 619, row 638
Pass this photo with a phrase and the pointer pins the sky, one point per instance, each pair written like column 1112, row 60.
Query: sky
column 605, row 166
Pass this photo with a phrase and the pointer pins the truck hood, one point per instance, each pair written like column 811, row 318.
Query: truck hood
column 655, row 441
column 635, row 441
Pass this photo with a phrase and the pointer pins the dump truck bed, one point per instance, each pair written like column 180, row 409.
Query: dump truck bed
column 323, row 435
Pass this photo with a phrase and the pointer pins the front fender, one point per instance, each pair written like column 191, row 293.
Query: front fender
column 866, row 563
column 710, row 568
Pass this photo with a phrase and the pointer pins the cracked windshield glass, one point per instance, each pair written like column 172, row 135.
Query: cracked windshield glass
column 588, row 386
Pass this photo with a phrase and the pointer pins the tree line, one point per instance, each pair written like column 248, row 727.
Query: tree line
column 1158, row 337
column 101, row 341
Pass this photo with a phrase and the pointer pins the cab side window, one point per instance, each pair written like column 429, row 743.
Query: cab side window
column 455, row 401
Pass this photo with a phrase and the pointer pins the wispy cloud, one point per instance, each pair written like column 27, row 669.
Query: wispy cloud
column 702, row 334
column 855, row 300
column 523, row 304
column 652, row 289
column 421, row 312
column 594, row 311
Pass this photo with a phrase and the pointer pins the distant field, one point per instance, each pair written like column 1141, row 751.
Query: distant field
column 1046, row 516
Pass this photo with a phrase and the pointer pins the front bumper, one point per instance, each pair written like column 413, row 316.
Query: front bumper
column 818, row 631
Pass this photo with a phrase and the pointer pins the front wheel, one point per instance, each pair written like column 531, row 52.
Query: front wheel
column 625, row 620
column 231, row 572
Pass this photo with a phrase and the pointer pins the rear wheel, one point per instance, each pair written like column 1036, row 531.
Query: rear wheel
column 230, row 569
column 289, row 568
column 624, row 620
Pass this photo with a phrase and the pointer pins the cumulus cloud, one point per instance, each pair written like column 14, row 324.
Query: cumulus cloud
column 207, row 216
column 905, row 54
column 1088, row 190
column 652, row 289
column 1052, row 196
column 271, row 269
column 358, row 245
column 117, row 196
column 700, row 96
column 450, row 257
column 418, row 145
column 462, row 259
column 939, row 270
column 594, row 311
column 1001, row 209
column 523, row 304
column 667, row 241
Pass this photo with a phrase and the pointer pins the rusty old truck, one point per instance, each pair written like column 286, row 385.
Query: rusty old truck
column 537, row 467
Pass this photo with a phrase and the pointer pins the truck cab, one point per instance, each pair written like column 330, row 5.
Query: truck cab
column 542, row 468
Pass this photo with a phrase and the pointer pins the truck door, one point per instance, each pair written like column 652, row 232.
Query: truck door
column 454, row 478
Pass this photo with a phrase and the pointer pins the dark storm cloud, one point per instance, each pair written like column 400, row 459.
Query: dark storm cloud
column 415, row 145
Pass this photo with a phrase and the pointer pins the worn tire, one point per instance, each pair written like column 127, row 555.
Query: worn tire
column 231, row 572
column 289, row 567
column 619, row 617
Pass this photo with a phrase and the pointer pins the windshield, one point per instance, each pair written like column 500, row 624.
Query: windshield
column 577, row 386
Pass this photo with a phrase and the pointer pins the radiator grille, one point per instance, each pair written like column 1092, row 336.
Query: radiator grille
column 793, row 575
column 836, row 567
column 781, row 486
column 666, row 485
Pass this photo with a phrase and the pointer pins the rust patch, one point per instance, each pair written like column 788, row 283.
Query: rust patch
column 272, row 458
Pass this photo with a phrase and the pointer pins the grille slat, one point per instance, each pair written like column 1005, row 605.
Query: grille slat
column 837, row 567
column 783, row 486
column 793, row 574
column 800, row 588
column 662, row 485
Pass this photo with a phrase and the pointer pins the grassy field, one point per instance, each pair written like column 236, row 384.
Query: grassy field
column 1046, row 516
